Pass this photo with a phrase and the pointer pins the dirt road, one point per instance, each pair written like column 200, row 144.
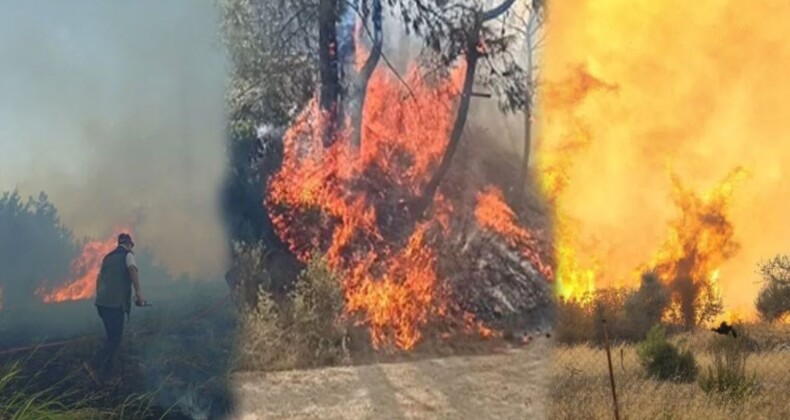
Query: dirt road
column 508, row 385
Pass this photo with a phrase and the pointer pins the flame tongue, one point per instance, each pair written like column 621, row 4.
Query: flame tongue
column 353, row 206
column 84, row 271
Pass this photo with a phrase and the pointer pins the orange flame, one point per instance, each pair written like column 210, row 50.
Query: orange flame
column 354, row 206
column 84, row 272
column 494, row 214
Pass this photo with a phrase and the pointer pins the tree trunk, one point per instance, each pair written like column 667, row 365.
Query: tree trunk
column 330, row 69
column 472, row 56
column 366, row 73
column 527, row 143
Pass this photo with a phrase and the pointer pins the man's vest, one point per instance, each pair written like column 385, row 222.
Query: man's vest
column 114, row 284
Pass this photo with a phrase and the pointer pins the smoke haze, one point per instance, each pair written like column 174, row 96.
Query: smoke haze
column 116, row 110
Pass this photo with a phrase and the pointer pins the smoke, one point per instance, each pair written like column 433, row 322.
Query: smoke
column 116, row 110
column 700, row 88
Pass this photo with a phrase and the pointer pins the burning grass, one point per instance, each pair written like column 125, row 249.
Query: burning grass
column 580, row 381
column 175, row 358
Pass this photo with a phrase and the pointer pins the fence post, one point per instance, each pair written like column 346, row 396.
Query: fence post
column 611, row 372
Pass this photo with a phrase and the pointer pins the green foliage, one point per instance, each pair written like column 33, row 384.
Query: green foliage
column 727, row 376
column 28, row 225
column 663, row 361
column 773, row 302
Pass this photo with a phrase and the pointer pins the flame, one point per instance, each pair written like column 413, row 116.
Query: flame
column 494, row 214
column 623, row 100
column 354, row 206
column 84, row 271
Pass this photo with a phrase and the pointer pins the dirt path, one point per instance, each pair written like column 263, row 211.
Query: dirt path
column 509, row 385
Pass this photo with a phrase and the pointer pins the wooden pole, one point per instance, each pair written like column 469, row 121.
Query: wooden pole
column 611, row 372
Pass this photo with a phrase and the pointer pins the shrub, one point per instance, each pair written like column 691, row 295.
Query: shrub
column 306, row 330
column 574, row 321
column 663, row 361
column 773, row 302
column 645, row 307
column 318, row 329
column 728, row 375
column 580, row 320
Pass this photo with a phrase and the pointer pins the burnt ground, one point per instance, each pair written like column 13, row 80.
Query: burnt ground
column 510, row 383
column 174, row 356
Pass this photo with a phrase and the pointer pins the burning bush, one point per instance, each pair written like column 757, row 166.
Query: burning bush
column 361, row 208
column 664, row 361
column 773, row 302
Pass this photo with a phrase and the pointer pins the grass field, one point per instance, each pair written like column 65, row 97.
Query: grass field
column 174, row 359
column 580, row 382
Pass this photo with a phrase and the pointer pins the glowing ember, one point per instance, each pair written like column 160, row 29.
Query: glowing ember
column 355, row 206
column 84, row 272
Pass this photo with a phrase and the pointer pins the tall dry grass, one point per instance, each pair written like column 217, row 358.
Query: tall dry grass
column 304, row 331
column 580, row 382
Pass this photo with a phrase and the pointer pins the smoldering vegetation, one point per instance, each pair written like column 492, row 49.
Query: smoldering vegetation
column 174, row 356
column 117, row 111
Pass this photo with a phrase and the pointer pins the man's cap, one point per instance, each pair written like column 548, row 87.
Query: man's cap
column 125, row 238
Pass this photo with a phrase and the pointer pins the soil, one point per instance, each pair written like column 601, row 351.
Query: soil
column 509, row 384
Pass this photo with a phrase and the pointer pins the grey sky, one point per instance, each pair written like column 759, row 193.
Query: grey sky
column 116, row 110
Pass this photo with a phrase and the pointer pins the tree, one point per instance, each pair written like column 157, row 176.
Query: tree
column 275, row 55
column 274, row 48
column 533, row 43
column 35, row 247
column 455, row 30
column 773, row 302
column 645, row 307
column 367, row 69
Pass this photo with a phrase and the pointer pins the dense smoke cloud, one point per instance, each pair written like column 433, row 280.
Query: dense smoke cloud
column 116, row 110
column 701, row 88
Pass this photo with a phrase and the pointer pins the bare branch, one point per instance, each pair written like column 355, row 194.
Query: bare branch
column 497, row 11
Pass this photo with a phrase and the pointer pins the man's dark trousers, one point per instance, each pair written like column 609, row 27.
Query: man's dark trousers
column 113, row 324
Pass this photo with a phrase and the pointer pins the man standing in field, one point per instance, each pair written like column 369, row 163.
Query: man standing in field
column 113, row 299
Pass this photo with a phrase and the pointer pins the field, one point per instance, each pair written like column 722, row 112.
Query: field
column 580, row 382
column 174, row 359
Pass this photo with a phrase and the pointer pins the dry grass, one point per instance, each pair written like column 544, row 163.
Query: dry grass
column 580, row 383
column 305, row 331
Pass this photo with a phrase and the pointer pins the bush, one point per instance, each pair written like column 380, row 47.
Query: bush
column 773, row 302
column 728, row 375
column 581, row 320
column 663, row 361
column 574, row 321
column 306, row 330
column 645, row 307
